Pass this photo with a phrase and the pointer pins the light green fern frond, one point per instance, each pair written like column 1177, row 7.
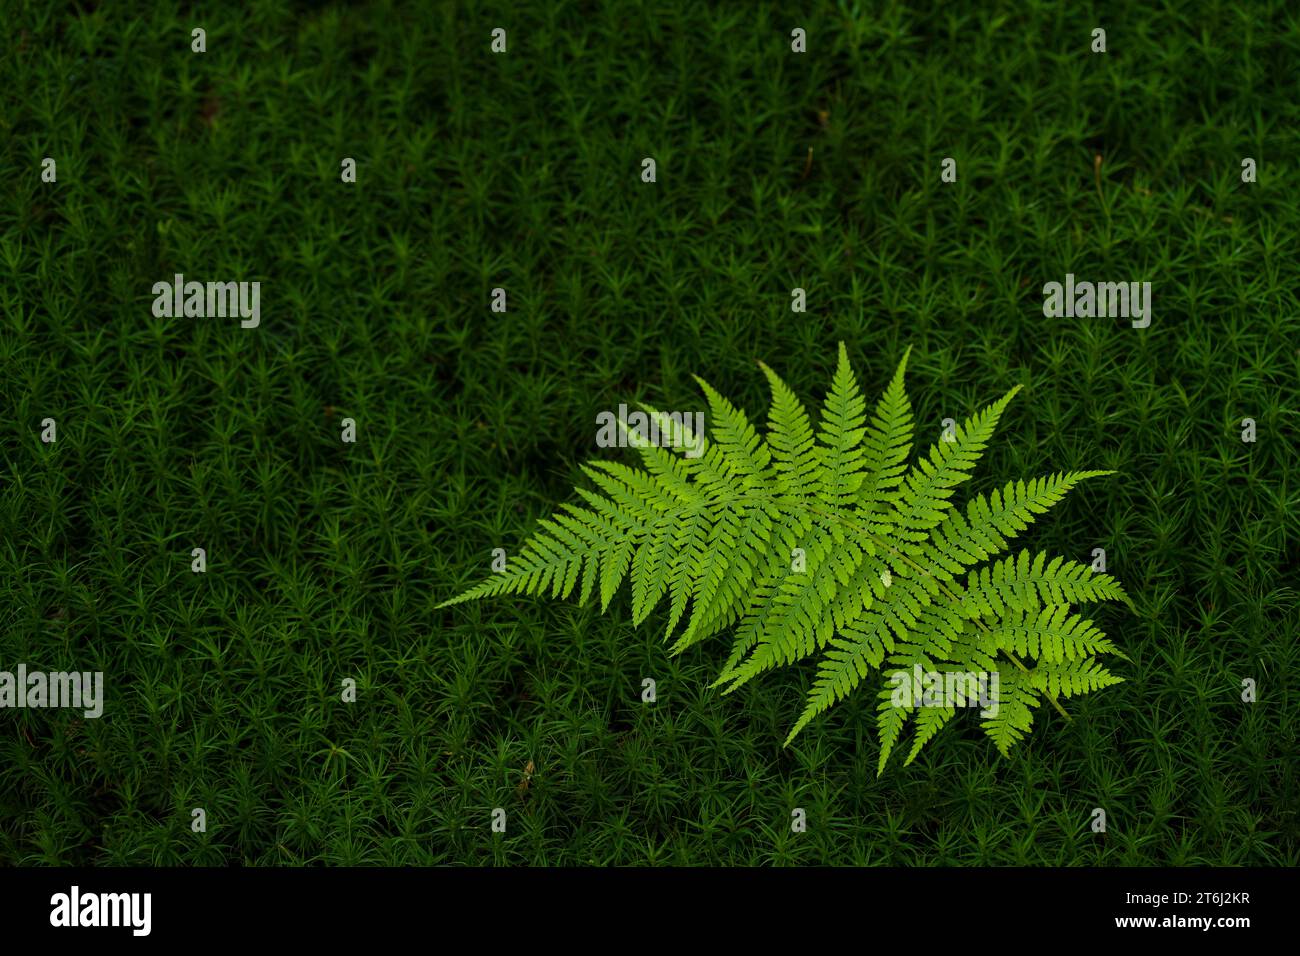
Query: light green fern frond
column 820, row 540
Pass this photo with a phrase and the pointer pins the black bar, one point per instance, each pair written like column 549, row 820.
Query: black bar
column 524, row 907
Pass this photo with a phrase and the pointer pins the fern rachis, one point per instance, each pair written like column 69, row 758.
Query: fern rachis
column 824, row 542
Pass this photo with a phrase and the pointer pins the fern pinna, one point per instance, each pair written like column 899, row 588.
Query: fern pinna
column 827, row 542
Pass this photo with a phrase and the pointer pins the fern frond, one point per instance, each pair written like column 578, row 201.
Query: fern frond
column 1071, row 678
column 1052, row 634
column 844, row 422
column 862, row 647
column 992, row 521
column 928, row 723
column 798, row 623
column 888, row 442
column 923, row 499
column 1014, row 717
column 743, row 453
column 820, row 540
column 891, row 715
column 790, row 435
column 1022, row 584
